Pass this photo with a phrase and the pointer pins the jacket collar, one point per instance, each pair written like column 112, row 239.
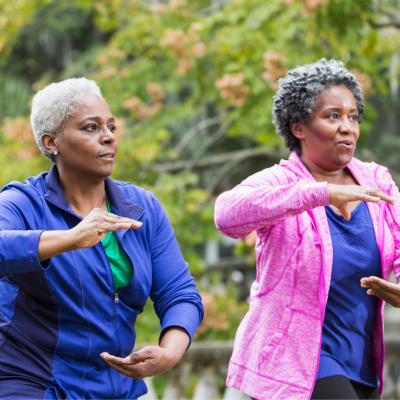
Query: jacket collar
column 118, row 201
column 297, row 167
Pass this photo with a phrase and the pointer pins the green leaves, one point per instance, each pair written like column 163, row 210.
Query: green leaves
column 168, row 68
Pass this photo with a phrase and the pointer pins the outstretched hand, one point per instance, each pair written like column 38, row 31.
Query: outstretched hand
column 149, row 361
column 341, row 195
column 152, row 360
column 90, row 231
column 93, row 228
column 387, row 291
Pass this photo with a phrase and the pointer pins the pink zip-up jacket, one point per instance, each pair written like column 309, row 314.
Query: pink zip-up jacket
column 277, row 346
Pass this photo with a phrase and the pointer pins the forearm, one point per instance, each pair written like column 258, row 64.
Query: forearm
column 53, row 243
column 246, row 209
column 176, row 340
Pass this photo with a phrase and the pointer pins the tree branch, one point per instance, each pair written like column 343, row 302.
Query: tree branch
column 175, row 166
column 216, row 6
column 393, row 24
column 394, row 20
column 213, row 139
column 188, row 136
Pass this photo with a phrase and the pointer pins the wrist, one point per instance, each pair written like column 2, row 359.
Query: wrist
column 170, row 356
column 70, row 240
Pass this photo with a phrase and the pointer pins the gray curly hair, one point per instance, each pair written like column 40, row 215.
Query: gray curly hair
column 52, row 106
column 298, row 94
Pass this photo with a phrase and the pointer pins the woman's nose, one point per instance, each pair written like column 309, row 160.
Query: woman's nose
column 346, row 127
column 107, row 136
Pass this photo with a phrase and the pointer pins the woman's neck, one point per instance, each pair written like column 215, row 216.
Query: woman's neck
column 83, row 194
column 340, row 176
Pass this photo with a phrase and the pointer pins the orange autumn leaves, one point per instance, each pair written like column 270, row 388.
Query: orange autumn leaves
column 215, row 319
column 232, row 86
column 184, row 46
column 309, row 5
column 136, row 106
column 20, row 130
column 274, row 68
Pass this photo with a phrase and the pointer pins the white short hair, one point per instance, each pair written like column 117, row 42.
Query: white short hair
column 52, row 106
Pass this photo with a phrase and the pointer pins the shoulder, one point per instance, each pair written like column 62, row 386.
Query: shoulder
column 372, row 173
column 23, row 203
column 139, row 195
column 275, row 175
column 31, row 191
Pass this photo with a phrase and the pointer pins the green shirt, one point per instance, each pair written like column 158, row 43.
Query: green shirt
column 121, row 267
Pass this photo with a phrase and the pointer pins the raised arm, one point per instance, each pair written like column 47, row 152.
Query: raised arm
column 26, row 247
column 263, row 199
column 90, row 231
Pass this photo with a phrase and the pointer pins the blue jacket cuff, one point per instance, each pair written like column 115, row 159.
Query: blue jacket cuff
column 19, row 252
column 182, row 315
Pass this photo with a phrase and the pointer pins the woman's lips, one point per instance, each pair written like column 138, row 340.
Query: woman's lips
column 347, row 144
column 107, row 156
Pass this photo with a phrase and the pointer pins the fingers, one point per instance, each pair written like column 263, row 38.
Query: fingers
column 344, row 210
column 112, row 359
column 138, row 356
column 370, row 199
column 137, row 371
column 376, row 195
column 116, row 219
column 382, row 289
column 375, row 284
column 121, row 370
column 109, row 226
column 384, row 196
column 99, row 216
column 339, row 194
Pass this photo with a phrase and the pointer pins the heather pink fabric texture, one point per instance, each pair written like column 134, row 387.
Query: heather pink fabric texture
column 277, row 345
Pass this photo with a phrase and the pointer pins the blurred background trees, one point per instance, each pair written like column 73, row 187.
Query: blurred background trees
column 191, row 84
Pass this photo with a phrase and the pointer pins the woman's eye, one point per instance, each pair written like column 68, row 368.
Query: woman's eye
column 335, row 116
column 91, row 128
column 113, row 128
column 354, row 118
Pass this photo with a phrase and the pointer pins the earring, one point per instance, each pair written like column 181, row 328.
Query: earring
column 55, row 152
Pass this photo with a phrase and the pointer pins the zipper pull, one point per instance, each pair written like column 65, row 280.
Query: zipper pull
column 116, row 297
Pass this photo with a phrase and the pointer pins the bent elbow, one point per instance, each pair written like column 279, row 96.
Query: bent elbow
column 221, row 212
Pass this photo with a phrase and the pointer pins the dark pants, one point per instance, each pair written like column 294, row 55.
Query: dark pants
column 339, row 387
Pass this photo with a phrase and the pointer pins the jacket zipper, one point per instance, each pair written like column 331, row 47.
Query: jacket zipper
column 115, row 302
column 115, row 296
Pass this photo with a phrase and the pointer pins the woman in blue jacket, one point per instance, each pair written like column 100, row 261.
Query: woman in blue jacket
column 79, row 256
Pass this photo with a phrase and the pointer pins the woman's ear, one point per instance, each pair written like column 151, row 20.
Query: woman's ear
column 49, row 142
column 297, row 129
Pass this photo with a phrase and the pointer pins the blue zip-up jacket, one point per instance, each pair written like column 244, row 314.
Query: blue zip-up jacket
column 56, row 317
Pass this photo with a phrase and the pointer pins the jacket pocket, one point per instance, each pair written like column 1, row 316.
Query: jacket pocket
column 291, row 354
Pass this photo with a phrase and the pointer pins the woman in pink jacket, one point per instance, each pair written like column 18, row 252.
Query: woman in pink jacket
column 324, row 220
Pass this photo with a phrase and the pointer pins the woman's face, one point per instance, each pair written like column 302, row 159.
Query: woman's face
column 88, row 145
column 328, row 139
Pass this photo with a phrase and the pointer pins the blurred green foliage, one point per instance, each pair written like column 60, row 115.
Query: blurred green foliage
column 169, row 68
column 15, row 95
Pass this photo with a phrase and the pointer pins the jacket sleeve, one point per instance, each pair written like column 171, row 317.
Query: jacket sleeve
column 18, row 244
column 263, row 200
column 393, row 215
column 177, row 301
